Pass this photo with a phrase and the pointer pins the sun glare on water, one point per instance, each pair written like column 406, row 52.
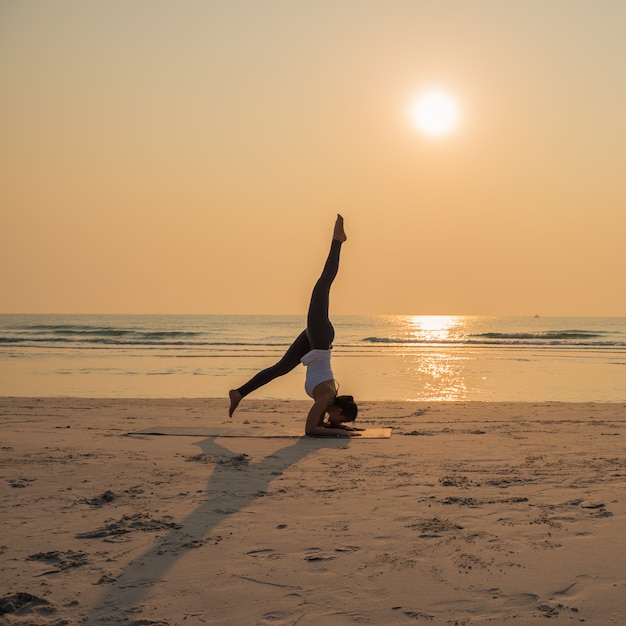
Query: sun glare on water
column 435, row 113
column 432, row 327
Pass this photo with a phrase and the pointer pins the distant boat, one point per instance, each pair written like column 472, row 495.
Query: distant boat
column 536, row 315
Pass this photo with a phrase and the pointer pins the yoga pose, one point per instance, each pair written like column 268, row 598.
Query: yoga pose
column 312, row 348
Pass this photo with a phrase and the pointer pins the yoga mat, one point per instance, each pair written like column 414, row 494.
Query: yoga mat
column 250, row 431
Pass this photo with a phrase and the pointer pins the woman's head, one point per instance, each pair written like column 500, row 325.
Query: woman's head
column 348, row 408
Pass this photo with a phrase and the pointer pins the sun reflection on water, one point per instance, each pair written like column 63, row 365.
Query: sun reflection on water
column 440, row 374
column 433, row 327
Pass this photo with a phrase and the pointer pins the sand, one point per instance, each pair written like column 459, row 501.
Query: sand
column 471, row 513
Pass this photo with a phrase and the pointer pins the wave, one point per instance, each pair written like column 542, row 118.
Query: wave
column 102, row 331
column 201, row 335
column 547, row 335
column 547, row 338
column 83, row 334
column 130, row 342
column 135, row 339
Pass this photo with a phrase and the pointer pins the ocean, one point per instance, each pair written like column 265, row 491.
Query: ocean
column 393, row 357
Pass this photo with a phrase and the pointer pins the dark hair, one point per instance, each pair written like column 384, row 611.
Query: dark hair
column 348, row 407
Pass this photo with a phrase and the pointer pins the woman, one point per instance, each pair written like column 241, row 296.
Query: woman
column 312, row 348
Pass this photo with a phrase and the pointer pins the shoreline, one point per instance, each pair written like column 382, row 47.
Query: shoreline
column 472, row 512
column 389, row 358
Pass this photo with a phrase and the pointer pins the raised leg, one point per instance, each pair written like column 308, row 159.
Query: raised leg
column 319, row 328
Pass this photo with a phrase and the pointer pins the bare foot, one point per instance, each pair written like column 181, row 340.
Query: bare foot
column 235, row 399
column 339, row 234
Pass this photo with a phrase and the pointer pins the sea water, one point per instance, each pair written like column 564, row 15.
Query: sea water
column 400, row 357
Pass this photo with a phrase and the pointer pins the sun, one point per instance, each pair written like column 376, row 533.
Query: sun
column 435, row 113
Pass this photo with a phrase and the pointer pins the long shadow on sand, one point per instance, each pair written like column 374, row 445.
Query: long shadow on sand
column 233, row 485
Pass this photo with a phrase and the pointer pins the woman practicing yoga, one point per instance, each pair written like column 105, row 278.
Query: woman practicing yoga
column 312, row 348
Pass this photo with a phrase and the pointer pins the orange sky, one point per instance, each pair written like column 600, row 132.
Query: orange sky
column 190, row 156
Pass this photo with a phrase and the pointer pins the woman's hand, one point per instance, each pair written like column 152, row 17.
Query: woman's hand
column 325, row 431
column 350, row 427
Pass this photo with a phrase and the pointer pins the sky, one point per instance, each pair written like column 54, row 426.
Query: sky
column 191, row 156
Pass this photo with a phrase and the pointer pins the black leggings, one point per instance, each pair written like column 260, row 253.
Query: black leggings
column 319, row 333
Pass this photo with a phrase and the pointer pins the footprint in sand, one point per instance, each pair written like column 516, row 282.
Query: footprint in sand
column 22, row 603
column 317, row 555
column 274, row 616
column 129, row 523
column 104, row 498
column 346, row 549
column 60, row 561
column 522, row 599
column 432, row 528
column 264, row 553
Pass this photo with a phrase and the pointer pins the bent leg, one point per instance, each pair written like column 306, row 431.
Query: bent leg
column 290, row 359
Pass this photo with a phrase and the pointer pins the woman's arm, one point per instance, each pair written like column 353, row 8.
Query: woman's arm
column 314, row 421
column 316, row 417
column 324, row 395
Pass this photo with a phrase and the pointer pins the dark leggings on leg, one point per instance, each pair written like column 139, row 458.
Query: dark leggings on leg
column 318, row 327
column 319, row 333
column 291, row 358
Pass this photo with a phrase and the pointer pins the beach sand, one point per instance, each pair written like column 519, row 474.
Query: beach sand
column 471, row 513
